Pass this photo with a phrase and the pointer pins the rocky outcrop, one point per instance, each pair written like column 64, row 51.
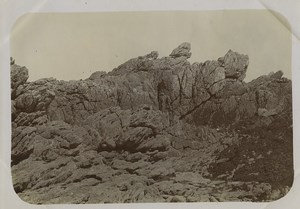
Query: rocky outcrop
column 235, row 65
column 19, row 76
column 183, row 50
column 153, row 129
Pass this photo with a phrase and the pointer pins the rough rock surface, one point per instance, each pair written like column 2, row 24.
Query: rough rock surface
column 153, row 130
column 183, row 50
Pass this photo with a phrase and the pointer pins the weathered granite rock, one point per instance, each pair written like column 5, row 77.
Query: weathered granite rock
column 19, row 76
column 235, row 65
column 97, row 75
column 183, row 50
column 153, row 129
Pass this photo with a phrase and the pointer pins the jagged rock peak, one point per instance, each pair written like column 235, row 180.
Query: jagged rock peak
column 277, row 75
column 235, row 65
column 183, row 50
column 19, row 76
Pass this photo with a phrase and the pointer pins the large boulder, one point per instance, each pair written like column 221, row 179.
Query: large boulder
column 183, row 50
column 235, row 65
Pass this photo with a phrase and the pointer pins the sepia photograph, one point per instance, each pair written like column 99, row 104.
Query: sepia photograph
column 151, row 107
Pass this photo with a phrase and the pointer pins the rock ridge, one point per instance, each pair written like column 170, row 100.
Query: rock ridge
column 154, row 129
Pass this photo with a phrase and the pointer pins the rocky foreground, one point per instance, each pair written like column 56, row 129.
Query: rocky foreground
column 153, row 130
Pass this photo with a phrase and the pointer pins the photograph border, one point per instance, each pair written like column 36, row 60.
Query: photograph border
column 10, row 11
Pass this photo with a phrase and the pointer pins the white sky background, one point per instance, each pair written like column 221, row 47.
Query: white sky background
column 70, row 46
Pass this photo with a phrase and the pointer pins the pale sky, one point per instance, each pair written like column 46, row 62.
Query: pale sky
column 71, row 46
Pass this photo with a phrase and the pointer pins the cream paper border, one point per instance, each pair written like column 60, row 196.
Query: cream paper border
column 11, row 10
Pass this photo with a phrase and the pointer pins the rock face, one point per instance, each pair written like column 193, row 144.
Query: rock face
column 153, row 130
column 19, row 76
column 235, row 65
